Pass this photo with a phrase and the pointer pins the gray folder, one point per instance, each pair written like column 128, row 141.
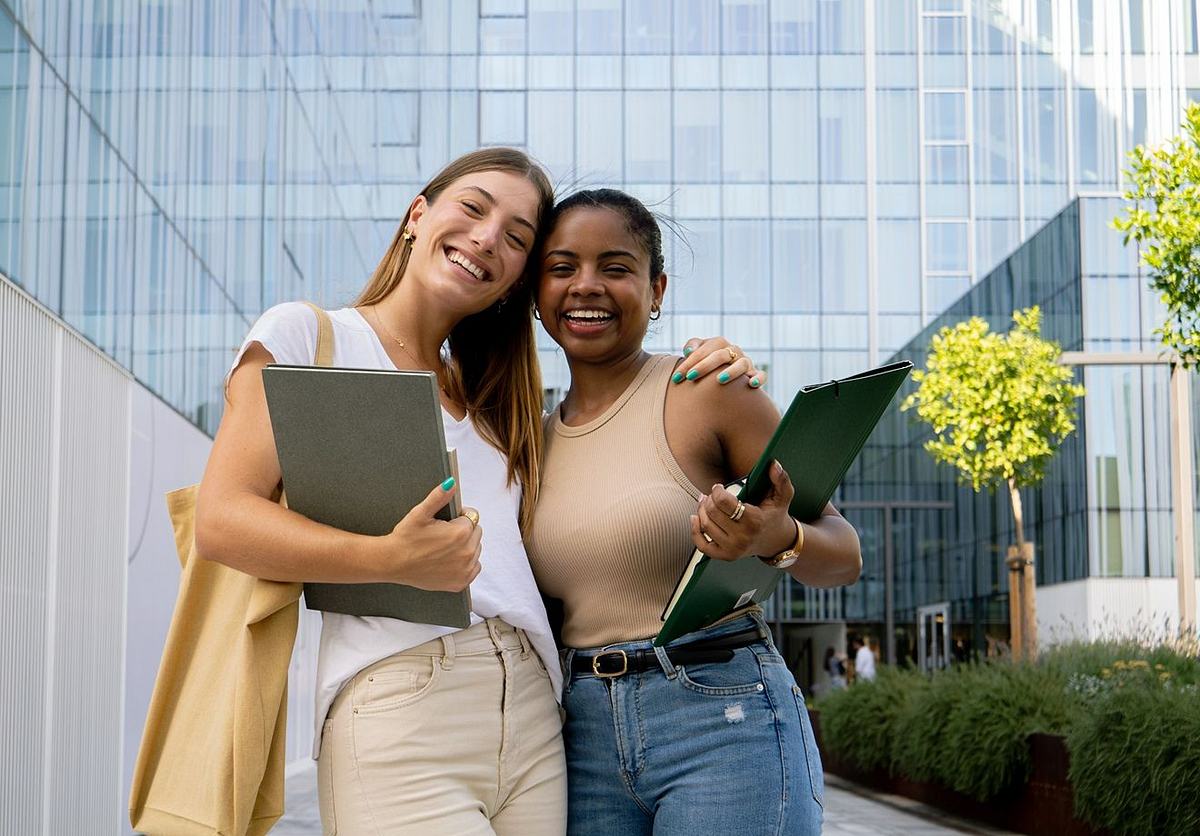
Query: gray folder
column 358, row 449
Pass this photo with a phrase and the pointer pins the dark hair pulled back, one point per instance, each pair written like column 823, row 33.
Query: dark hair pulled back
column 639, row 220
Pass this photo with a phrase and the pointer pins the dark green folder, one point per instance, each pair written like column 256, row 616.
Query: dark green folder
column 820, row 435
column 358, row 449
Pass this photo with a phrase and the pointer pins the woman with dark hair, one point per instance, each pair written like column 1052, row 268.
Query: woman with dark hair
column 709, row 734
column 421, row 728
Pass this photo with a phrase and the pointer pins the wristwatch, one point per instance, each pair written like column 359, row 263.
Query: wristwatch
column 788, row 556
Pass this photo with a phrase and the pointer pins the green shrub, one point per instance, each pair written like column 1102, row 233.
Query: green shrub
column 1135, row 754
column 919, row 743
column 1093, row 658
column 986, row 736
column 857, row 723
column 1130, row 713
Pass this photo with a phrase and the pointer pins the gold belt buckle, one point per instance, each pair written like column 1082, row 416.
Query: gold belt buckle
column 596, row 664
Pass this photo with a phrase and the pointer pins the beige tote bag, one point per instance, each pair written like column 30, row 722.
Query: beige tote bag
column 212, row 754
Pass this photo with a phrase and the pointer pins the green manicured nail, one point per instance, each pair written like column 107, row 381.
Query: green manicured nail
column 693, row 374
column 687, row 350
column 723, row 377
column 678, row 376
column 448, row 484
column 755, row 383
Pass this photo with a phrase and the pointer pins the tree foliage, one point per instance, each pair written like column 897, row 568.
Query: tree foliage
column 999, row 404
column 1163, row 217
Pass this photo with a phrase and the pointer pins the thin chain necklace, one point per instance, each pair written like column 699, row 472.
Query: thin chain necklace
column 403, row 347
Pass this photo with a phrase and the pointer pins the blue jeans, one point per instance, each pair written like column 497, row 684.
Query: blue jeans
column 702, row 749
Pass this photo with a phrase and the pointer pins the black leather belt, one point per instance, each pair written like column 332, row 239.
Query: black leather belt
column 609, row 664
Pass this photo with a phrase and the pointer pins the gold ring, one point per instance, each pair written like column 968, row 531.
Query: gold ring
column 472, row 515
column 738, row 511
column 733, row 355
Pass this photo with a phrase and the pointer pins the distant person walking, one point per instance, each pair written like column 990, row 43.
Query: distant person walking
column 835, row 666
column 864, row 660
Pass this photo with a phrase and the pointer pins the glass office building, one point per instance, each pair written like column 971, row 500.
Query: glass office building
column 1104, row 509
column 839, row 172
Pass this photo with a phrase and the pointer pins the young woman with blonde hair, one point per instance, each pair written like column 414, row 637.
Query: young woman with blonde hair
column 421, row 728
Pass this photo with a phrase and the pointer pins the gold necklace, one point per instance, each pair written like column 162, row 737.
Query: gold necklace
column 404, row 348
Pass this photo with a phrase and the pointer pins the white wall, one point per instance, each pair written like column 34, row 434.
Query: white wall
column 64, row 460
column 1107, row 607
column 88, row 574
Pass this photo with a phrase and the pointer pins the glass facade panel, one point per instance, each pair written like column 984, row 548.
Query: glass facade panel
column 945, row 116
column 167, row 172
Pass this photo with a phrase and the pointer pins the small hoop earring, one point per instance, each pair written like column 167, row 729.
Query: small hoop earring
column 537, row 314
column 655, row 313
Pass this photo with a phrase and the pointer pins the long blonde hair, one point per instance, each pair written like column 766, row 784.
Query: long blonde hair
column 494, row 369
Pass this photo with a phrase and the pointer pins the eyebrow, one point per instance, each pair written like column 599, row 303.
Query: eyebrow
column 603, row 255
column 492, row 200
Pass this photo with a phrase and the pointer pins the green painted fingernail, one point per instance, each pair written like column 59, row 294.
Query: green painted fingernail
column 687, row 350
column 755, row 383
column 723, row 377
column 693, row 374
column 448, row 484
column 678, row 376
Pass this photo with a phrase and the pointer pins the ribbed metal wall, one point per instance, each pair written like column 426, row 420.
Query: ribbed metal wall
column 64, row 458
column 27, row 348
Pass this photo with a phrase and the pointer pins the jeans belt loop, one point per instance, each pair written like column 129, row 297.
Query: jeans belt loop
column 493, row 629
column 447, row 651
column 665, row 661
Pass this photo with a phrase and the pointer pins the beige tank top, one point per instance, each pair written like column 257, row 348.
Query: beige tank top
column 610, row 534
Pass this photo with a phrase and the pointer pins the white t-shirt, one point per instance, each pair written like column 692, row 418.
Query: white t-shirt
column 505, row 587
column 864, row 663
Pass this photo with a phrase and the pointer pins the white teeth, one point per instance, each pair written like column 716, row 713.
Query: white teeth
column 593, row 315
column 470, row 266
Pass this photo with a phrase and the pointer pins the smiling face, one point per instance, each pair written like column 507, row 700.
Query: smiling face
column 595, row 293
column 472, row 242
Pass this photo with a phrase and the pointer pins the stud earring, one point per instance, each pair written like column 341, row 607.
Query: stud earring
column 409, row 236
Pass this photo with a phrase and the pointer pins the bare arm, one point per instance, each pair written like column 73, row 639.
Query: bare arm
column 743, row 421
column 239, row 525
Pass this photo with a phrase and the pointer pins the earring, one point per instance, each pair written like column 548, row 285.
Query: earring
column 655, row 313
column 537, row 314
column 409, row 236
column 500, row 305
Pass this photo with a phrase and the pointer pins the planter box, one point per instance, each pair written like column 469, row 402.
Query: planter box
column 1044, row 806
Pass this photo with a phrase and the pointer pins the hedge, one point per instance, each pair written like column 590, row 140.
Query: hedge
column 1130, row 714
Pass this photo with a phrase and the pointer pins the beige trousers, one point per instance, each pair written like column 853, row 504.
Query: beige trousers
column 460, row 735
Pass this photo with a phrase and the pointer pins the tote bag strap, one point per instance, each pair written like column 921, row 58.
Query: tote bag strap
column 324, row 356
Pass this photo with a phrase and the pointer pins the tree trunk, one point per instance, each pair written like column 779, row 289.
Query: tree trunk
column 1027, row 580
column 1029, row 604
column 1016, row 591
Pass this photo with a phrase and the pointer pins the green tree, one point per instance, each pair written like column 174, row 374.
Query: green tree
column 1163, row 216
column 999, row 406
